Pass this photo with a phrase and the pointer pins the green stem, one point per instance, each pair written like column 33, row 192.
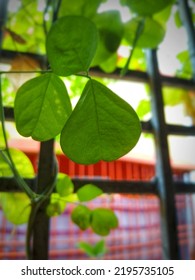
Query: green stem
column 8, row 157
column 137, row 36
column 83, row 75
column 36, row 204
column 34, row 208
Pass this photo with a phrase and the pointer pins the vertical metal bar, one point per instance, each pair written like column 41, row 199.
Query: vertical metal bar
column 45, row 175
column 3, row 13
column 186, row 17
column 163, row 168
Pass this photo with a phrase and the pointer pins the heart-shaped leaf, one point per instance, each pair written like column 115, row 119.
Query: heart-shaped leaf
column 53, row 209
column 71, row 45
column 103, row 220
column 56, row 206
column 81, row 216
column 101, row 127
column 88, row 192
column 95, row 250
column 42, row 106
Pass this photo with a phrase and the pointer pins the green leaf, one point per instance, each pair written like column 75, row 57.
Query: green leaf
column 71, row 198
column 146, row 7
column 87, row 248
column 95, row 250
column 103, row 220
column 16, row 207
column 177, row 19
column 100, row 248
column 85, row 8
column 71, row 45
column 56, row 206
column 143, row 108
column 53, row 209
column 109, row 65
column 22, row 163
column 102, row 126
column 42, row 106
column 64, row 185
column 185, row 70
column 173, row 97
column 152, row 33
column 163, row 16
column 88, row 192
column 110, row 29
column 81, row 216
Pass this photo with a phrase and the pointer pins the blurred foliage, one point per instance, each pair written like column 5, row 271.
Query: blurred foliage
column 16, row 206
column 8, row 92
column 21, row 161
column 96, row 250
column 185, row 70
column 25, row 26
column 29, row 21
column 171, row 97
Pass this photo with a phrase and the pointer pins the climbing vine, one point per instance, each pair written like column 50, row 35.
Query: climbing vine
column 101, row 126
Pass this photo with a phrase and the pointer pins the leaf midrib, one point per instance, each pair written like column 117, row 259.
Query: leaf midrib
column 97, row 118
column 44, row 96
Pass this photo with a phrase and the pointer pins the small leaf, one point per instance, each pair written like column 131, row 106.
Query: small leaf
column 88, row 192
column 81, row 216
column 143, row 108
column 102, row 126
column 95, row 250
column 53, row 209
column 151, row 36
column 57, row 205
column 64, row 185
column 103, row 220
column 42, row 106
column 147, row 7
column 185, row 70
column 174, row 96
column 16, row 207
column 87, row 248
column 71, row 45
column 177, row 19
column 100, row 248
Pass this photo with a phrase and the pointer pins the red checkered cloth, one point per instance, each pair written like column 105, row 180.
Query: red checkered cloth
column 137, row 237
